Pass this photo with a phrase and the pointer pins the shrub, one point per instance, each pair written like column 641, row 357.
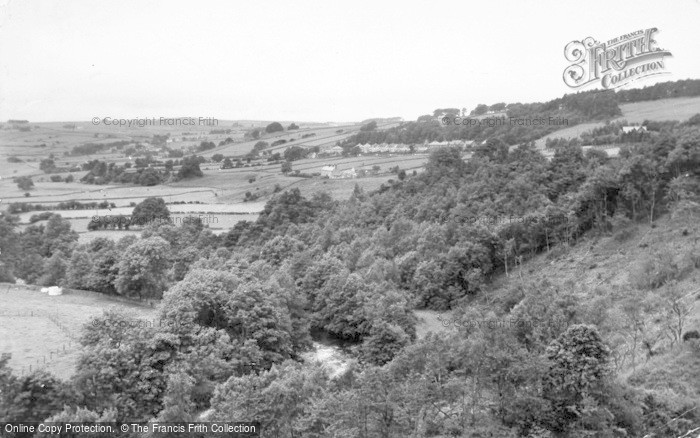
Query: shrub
column 692, row 334
column 623, row 228
column 655, row 270
column 694, row 257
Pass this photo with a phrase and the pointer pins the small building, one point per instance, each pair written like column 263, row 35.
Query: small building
column 349, row 173
column 628, row 129
column 336, row 150
column 327, row 170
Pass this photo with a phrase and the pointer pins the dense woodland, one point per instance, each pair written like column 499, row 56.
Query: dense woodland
column 238, row 309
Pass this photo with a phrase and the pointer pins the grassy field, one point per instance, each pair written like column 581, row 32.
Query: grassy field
column 679, row 109
column 567, row 133
column 41, row 331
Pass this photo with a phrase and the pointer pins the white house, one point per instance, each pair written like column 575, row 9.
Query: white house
column 627, row 129
column 336, row 150
column 349, row 173
column 328, row 170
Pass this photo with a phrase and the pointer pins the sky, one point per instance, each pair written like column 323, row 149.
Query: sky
column 308, row 60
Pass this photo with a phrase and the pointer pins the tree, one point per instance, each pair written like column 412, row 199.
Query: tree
column 253, row 318
column 274, row 127
column 71, row 414
column 292, row 126
column 9, row 246
column 177, row 400
column 58, row 236
column 280, row 399
column 257, row 148
column 384, row 342
column 480, row 109
column 227, row 164
column 190, row 168
column 25, row 183
column 122, row 366
column 286, row 167
column 150, row 210
column 217, row 158
column 54, row 270
column 677, row 308
column 448, row 111
column 577, row 375
column 47, row 165
column 34, row 397
column 445, row 162
column 142, row 269
column 78, row 270
column 149, row 177
column 295, row 153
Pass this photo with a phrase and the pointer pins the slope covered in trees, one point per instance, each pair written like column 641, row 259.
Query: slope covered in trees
column 238, row 310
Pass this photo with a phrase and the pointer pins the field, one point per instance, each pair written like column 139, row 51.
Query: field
column 665, row 109
column 220, row 195
column 222, row 192
column 681, row 108
column 41, row 331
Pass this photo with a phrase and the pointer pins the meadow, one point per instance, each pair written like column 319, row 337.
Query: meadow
column 42, row 331
column 664, row 109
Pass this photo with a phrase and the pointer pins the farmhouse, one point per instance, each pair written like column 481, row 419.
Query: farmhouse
column 328, row 170
column 345, row 174
column 336, row 150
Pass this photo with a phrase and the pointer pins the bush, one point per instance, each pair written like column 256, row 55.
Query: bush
column 278, row 142
column 655, row 270
column 56, row 178
column 692, row 334
column 623, row 228
column 694, row 258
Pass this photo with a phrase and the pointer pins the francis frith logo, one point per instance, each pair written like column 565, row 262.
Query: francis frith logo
column 616, row 62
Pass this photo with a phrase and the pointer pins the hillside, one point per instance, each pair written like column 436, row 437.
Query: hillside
column 676, row 109
column 495, row 291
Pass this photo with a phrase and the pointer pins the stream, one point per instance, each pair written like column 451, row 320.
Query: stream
column 331, row 352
